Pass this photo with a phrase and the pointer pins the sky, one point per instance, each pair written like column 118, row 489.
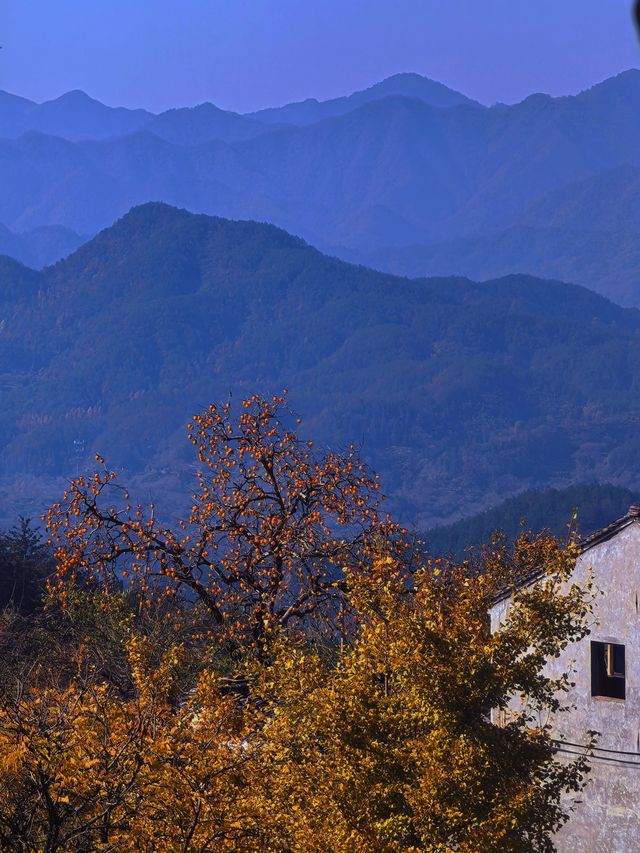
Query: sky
column 247, row 54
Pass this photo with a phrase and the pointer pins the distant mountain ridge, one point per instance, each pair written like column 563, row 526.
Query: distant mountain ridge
column 41, row 246
column 74, row 115
column 549, row 186
column 462, row 394
column 584, row 232
column 406, row 85
column 78, row 117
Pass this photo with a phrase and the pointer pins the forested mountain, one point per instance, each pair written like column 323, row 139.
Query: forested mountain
column 462, row 393
column 395, row 182
column 595, row 506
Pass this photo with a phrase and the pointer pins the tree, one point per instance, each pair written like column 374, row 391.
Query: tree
column 83, row 768
column 393, row 749
column 270, row 530
column 140, row 740
column 388, row 748
column 25, row 563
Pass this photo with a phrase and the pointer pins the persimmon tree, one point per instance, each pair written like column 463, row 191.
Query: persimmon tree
column 271, row 528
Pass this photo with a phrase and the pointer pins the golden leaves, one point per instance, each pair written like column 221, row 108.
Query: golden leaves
column 379, row 742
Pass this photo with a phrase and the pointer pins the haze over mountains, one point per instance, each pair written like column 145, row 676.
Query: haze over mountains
column 41, row 246
column 408, row 175
column 76, row 116
column 462, row 393
column 311, row 110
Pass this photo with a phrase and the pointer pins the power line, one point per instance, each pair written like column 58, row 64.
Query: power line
column 601, row 758
column 597, row 748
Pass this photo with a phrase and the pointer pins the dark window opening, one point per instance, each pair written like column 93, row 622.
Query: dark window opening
column 607, row 670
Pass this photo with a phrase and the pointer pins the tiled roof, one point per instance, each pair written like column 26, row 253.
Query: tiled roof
column 632, row 516
column 603, row 535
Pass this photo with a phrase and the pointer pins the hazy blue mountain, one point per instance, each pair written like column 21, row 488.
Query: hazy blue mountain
column 463, row 394
column 204, row 123
column 548, row 186
column 13, row 109
column 77, row 117
column 585, row 232
column 73, row 115
column 607, row 202
column 605, row 262
column 596, row 505
column 40, row 247
column 407, row 85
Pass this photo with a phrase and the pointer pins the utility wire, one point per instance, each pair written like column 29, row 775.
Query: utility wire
column 597, row 748
column 602, row 758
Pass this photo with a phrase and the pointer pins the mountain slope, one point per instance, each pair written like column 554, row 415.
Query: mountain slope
column 585, row 231
column 76, row 117
column 595, row 506
column 462, row 393
column 204, row 123
column 404, row 85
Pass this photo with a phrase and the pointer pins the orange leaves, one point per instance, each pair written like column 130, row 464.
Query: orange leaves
column 260, row 535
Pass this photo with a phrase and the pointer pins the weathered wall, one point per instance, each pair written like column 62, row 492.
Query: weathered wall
column 607, row 815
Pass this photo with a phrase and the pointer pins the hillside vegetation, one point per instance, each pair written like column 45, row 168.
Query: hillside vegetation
column 461, row 394
column 581, row 508
column 195, row 691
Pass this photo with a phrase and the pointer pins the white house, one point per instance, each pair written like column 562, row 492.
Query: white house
column 606, row 696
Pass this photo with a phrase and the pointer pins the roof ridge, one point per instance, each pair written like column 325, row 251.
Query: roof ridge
column 607, row 532
column 595, row 538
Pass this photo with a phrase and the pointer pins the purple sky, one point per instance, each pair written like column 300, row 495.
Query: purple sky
column 245, row 54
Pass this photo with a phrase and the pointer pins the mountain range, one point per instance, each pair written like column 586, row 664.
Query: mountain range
column 407, row 176
column 586, row 232
column 76, row 116
column 460, row 393
column 415, row 86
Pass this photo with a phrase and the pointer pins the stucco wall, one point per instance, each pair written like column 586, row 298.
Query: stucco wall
column 607, row 817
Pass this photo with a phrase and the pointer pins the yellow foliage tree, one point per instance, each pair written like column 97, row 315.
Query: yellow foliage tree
column 82, row 769
column 392, row 749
